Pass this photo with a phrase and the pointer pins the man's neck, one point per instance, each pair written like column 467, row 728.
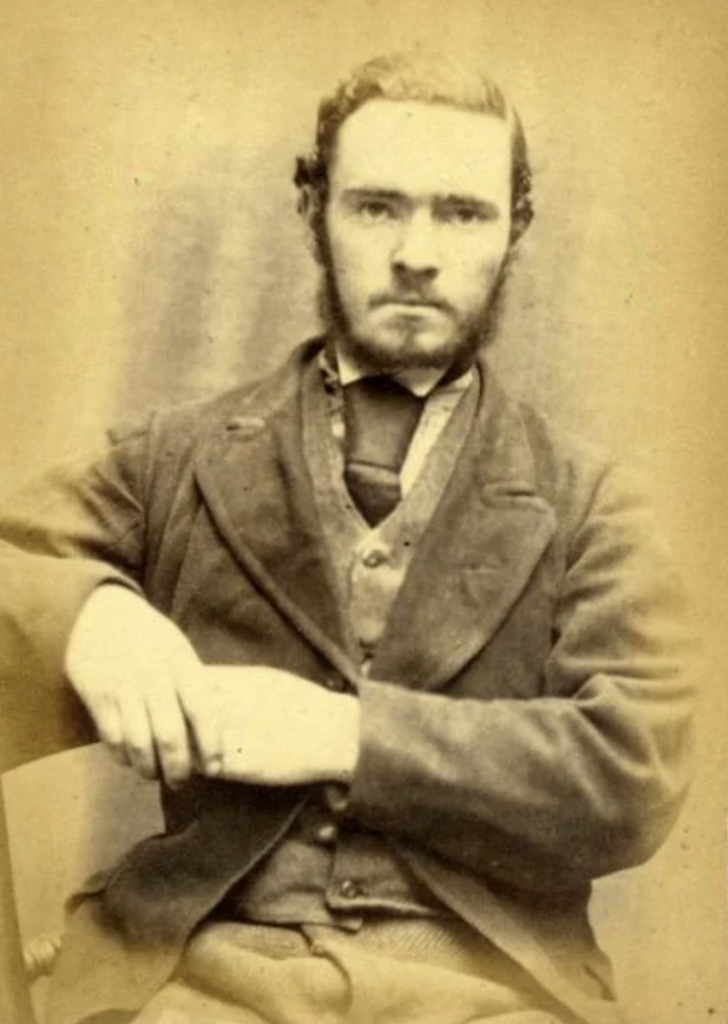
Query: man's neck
column 421, row 381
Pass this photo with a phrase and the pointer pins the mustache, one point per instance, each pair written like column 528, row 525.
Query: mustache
column 410, row 297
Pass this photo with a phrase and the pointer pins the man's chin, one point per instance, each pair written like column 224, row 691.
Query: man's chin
column 389, row 351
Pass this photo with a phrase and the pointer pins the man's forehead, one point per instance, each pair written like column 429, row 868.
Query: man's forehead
column 418, row 147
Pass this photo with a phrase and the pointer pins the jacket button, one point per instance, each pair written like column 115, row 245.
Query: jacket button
column 350, row 889
column 335, row 683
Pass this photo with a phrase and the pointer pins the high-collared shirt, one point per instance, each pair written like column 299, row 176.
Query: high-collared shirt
column 420, row 380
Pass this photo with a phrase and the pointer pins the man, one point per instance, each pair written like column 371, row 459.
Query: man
column 405, row 659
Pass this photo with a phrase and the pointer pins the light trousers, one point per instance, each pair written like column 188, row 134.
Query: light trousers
column 248, row 974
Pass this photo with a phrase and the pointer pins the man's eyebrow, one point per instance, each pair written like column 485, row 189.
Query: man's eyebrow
column 487, row 206
column 366, row 192
column 473, row 202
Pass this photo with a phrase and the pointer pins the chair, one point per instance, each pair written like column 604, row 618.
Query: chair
column 68, row 816
column 55, row 823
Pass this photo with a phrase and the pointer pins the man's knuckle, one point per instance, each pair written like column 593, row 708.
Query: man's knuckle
column 138, row 751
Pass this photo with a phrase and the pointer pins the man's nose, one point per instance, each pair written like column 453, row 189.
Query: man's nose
column 417, row 249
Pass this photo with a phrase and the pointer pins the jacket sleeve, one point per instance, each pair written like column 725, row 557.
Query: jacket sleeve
column 61, row 537
column 580, row 781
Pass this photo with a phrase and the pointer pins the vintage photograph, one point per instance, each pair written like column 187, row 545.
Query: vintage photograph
column 362, row 513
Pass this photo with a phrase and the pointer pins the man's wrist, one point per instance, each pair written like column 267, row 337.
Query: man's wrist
column 341, row 747
column 101, row 605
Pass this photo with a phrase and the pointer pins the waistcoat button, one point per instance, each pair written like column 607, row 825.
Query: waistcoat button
column 336, row 797
column 327, row 833
column 350, row 889
column 374, row 558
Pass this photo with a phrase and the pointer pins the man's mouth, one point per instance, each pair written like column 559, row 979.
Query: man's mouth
column 410, row 302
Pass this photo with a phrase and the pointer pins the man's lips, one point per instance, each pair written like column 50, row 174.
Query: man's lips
column 409, row 302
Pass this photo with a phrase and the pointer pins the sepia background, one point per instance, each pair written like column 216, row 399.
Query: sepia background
column 151, row 252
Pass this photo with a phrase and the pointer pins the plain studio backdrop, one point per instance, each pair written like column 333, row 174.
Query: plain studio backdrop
column 151, row 252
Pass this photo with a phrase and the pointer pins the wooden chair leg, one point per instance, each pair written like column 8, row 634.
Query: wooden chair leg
column 15, row 1003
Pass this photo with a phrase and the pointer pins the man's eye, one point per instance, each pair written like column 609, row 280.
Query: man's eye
column 375, row 210
column 463, row 215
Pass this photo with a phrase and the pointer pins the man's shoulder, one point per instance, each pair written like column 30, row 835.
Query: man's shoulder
column 189, row 422
column 559, row 451
column 577, row 476
column 582, row 478
column 559, row 458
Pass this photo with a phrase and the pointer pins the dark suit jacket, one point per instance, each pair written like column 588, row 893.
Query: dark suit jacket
column 524, row 726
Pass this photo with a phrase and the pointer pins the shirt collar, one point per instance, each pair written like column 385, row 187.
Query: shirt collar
column 420, row 381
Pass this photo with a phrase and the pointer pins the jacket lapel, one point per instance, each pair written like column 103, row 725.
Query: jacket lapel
column 254, row 480
column 477, row 556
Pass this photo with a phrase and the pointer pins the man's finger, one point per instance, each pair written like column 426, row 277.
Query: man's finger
column 205, row 715
column 108, row 726
column 137, row 735
column 170, row 736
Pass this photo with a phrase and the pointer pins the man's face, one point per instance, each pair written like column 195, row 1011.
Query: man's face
column 417, row 229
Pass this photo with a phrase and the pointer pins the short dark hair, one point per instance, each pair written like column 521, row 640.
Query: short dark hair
column 406, row 77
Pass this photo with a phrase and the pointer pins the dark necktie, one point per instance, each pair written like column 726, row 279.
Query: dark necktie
column 380, row 417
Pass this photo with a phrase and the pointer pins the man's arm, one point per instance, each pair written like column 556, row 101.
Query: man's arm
column 61, row 538
column 583, row 780
column 73, row 560
column 160, row 710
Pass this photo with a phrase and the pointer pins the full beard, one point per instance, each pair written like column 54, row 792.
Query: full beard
column 453, row 356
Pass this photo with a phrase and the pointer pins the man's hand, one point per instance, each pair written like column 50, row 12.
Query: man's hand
column 159, row 709
column 129, row 665
column 262, row 725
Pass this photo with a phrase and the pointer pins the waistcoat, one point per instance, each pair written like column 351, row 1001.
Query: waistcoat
column 325, row 872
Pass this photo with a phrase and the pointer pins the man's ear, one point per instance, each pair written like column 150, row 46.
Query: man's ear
column 305, row 203
column 310, row 210
column 303, row 180
column 305, row 208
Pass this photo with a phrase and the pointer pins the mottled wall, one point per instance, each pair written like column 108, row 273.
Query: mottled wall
column 150, row 251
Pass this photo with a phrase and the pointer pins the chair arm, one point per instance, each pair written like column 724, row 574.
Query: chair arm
column 36, row 722
column 15, row 1003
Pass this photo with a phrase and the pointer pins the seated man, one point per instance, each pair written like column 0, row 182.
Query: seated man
column 403, row 657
